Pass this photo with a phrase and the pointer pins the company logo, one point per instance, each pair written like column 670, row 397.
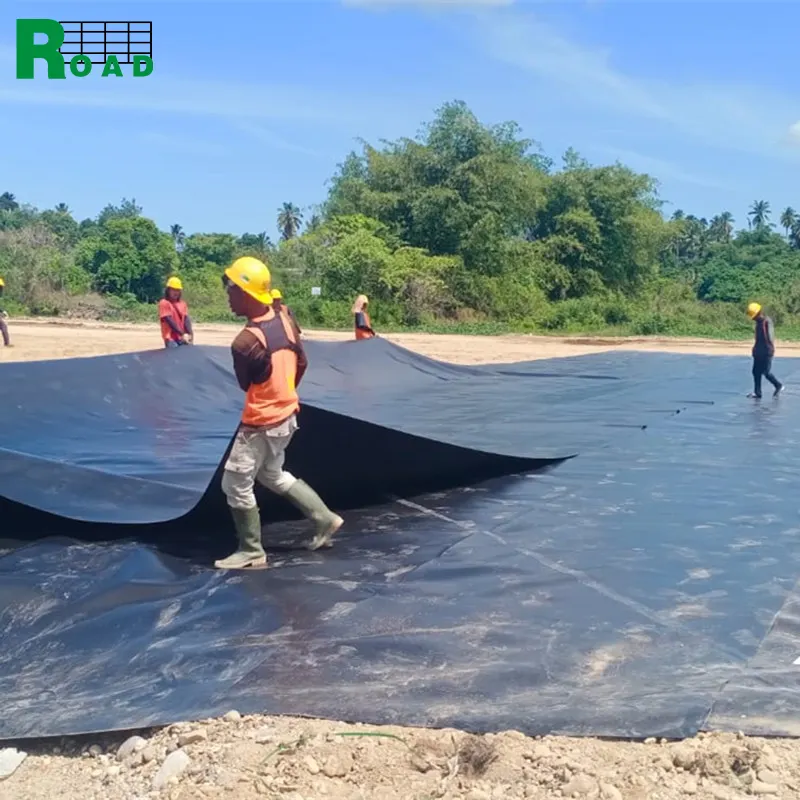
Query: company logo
column 81, row 45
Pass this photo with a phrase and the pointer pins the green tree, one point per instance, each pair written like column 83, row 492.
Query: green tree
column 289, row 220
column 178, row 237
column 788, row 219
column 129, row 255
column 8, row 202
column 759, row 214
column 255, row 244
column 127, row 209
column 213, row 251
column 62, row 224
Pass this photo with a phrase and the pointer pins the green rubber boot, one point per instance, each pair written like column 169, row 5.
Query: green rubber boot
column 303, row 497
column 250, row 554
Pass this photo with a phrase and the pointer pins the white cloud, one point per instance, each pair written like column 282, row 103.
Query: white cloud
column 746, row 118
column 793, row 134
column 204, row 98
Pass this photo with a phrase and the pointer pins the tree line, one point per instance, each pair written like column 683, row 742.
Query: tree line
column 466, row 225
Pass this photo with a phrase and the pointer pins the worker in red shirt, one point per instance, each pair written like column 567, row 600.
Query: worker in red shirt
column 176, row 325
column 269, row 362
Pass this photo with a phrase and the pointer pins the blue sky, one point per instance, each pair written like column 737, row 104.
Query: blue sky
column 254, row 103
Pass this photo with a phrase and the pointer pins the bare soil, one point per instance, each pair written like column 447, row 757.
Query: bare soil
column 42, row 339
column 300, row 759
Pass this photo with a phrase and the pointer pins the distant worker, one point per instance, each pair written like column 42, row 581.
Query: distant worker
column 176, row 325
column 269, row 362
column 279, row 305
column 763, row 350
column 3, row 318
column 361, row 320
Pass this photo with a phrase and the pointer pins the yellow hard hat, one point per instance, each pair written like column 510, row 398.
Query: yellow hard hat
column 251, row 276
column 175, row 283
column 753, row 309
column 276, row 294
column 2, row 282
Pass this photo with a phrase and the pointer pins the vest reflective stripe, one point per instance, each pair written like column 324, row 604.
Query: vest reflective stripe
column 275, row 399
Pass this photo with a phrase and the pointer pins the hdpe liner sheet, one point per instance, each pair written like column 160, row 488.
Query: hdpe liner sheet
column 622, row 593
column 137, row 438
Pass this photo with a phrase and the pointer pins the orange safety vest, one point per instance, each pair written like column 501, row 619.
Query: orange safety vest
column 274, row 400
column 363, row 334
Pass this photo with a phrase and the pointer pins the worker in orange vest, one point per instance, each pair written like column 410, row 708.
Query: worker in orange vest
column 176, row 325
column 3, row 317
column 363, row 325
column 269, row 362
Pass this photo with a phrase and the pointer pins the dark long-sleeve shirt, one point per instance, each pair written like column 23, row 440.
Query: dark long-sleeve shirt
column 764, row 345
column 252, row 362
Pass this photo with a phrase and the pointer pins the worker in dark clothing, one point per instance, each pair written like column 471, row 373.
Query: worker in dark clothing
column 763, row 350
column 3, row 317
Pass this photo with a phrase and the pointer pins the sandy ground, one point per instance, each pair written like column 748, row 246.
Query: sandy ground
column 298, row 759
column 38, row 339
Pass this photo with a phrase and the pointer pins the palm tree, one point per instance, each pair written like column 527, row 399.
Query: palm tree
column 258, row 242
column 289, row 220
column 178, row 236
column 8, row 202
column 726, row 219
column 759, row 214
column 788, row 219
column 62, row 208
column 794, row 236
column 721, row 227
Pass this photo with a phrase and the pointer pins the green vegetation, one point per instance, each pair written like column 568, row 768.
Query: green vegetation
column 466, row 228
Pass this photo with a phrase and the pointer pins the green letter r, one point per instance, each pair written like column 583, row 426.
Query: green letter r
column 28, row 51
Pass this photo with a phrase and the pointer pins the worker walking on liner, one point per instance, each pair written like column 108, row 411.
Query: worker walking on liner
column 176, row 324
column 279, row 305
column 763, row 350
column 3, row 318
column 361, row 320
column 269, row 362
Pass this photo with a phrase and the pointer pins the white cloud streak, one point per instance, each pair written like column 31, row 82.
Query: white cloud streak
column 745, row 118
column 203, row 98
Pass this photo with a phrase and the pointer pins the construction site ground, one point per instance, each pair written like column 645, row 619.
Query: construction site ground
column 303, row 759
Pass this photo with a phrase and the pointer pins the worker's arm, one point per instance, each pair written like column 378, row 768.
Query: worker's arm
column 302, row 363
column 293, row 319
column 361, row 323
column 188, row 324
column 769, row 329
column 174, row 325
column 251, row 361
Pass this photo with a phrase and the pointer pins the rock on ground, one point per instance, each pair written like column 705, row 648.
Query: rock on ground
column 253, row 757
